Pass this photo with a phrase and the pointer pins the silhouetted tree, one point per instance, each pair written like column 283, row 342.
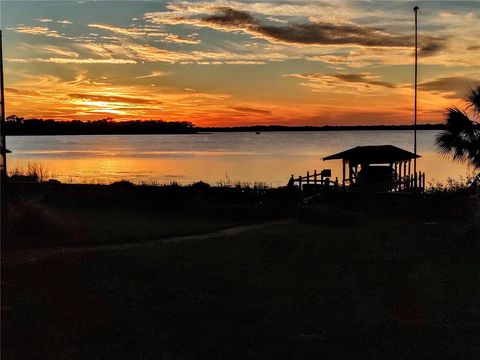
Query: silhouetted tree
column 20, row 126
column 461, row 137
column 14, row 118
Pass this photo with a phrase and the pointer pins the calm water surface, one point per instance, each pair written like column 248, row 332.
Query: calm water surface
column 268, row 158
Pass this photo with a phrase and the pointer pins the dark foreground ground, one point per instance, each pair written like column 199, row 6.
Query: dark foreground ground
column 346, row 279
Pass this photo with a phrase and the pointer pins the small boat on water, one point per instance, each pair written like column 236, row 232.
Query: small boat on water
column 257, row 132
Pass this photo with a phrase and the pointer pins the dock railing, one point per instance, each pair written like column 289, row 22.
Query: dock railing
column 321, row 178
column 414, row 182
column 407, row 183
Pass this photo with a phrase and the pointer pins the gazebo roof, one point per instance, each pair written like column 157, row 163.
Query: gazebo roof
column 378, row 154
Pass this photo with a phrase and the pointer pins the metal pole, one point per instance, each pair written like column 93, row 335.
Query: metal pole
column 2, row 119
column 415, row 106
column 3, row 175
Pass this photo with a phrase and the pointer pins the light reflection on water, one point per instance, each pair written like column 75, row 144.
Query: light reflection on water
column 218, row 157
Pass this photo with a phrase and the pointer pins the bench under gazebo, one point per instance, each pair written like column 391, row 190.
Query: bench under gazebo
column 379, row 168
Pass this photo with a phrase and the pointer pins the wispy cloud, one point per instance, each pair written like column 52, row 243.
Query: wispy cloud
column 37, row 30
column 134, row 32
column 56, row 50
column 123, row 52
column 141, row 52
column 357, row 81
column 153, row 74
column 56, row 60
column 139, row 32
column 172, row 38
column 277, row 12
column 136, row 52
column 250, row 110
column 114, row 99
column 362, row 57
column 44, row 20
column 21, row 92
column 453, row 87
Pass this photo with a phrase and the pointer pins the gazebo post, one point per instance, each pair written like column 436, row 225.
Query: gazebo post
column 343, row 172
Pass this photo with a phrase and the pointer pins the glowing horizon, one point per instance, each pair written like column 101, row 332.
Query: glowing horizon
column 234, row 63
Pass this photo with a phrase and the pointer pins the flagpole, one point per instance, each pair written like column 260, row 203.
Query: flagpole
column 3, row 150
column 2, row 99
column 415, row 105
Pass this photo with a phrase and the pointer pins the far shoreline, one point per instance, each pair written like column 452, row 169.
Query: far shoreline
column 51, row 131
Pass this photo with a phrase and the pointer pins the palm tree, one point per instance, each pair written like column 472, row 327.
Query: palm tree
column 461, row 137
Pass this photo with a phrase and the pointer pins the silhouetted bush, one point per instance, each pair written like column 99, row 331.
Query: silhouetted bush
column 34, row 173
column 452, row 185
column 122, row 183
column 200, row 185
column 23, row 178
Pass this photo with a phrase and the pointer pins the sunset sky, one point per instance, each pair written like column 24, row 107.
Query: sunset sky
column 224, row 63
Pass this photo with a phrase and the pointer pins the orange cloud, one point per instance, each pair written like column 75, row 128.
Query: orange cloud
column 38, row 30
column 138, row 32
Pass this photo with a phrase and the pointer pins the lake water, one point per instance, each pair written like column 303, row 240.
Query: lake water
column 226, row 158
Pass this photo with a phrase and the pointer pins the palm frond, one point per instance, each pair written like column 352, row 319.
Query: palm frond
column 473, row 99
column 451, row 144
column 474, row 152
column 445, row 142
column 458, row 121
column 460, row 138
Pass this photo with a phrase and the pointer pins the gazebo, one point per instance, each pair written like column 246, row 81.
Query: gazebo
column 379, row 168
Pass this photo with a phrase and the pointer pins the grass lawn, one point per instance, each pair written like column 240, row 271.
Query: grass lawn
column 392, row 290
column 43, row 215
column 119, row 226
column 63, row 227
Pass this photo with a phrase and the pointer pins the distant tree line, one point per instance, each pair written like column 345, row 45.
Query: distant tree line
column 19, row 126
column 15, row 125
column 265, row 128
